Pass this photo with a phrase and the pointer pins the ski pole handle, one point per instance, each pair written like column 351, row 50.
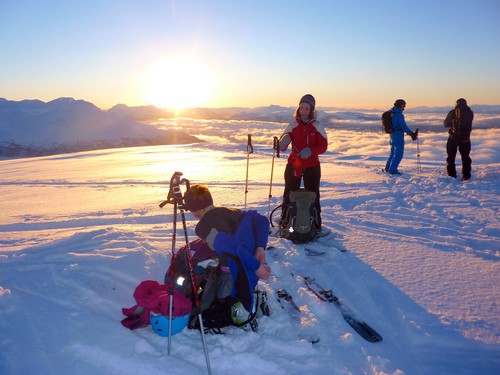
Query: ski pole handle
column 175, row 193
column 276, row 146
column 249, row 144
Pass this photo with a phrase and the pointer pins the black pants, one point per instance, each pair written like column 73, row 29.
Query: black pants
column 312, row 178
column 464, row 146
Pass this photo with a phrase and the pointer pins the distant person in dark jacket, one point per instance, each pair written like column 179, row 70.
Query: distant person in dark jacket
column 309, row 140
column 397, row 140
column 238, row 237
column 459, row 120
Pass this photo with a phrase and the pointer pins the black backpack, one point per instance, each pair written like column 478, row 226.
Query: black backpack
column 462, row 121
column 387, row 122
column 211, row 282
column 214, row 288
column 299, row 219
column 220, row 315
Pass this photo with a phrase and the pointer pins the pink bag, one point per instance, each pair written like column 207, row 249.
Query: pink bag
column 153, row 296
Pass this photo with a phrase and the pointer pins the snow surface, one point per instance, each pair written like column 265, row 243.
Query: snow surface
column 80, row 231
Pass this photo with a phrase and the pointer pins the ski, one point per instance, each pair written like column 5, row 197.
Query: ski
column 312, row 252
column 287, row 303
column 361, row 327
column 330, row 241
column 319, row 248
column 309, row 247
column 308, row 251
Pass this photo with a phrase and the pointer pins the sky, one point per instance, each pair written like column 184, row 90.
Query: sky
column 224, row 53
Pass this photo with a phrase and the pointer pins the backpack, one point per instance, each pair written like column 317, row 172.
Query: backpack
column 214, row 286
column 387, row 122
column 300, row 219
column 462, row 121
column 211, row 281
column 220, row 314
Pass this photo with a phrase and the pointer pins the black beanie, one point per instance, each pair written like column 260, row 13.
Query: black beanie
column 399, row 103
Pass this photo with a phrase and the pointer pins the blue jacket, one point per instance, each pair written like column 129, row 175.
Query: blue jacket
column 398, row 121
column 239, row 248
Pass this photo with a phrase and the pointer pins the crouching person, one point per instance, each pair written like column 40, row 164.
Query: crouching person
column 238, row 238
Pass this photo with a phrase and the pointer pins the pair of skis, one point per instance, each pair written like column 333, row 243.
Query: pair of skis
column 326, row 295
column 317, row 248
column 287, row 303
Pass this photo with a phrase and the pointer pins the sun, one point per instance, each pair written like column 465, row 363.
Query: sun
column 177, row 83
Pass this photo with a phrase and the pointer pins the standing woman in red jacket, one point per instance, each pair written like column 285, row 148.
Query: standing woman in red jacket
column 308, row 139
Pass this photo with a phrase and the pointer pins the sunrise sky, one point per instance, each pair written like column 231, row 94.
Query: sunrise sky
column 225, row 53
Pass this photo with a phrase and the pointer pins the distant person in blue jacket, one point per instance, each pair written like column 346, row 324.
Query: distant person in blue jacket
column 238, row 237
column 397, row 140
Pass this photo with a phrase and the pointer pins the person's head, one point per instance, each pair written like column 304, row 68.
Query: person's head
column 461, row 102
column 198, row 200
column 400, row 103
column 306, row 107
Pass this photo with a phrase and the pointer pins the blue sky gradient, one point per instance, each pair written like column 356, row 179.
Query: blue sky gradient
column 237, row 53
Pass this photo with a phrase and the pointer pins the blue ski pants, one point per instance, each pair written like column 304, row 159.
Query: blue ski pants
column 397, row 142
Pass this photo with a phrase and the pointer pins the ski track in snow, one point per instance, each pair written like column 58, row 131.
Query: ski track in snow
column 421, row 266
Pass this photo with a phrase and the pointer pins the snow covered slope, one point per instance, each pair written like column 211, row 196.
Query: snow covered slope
column 421, row 266
column 33, row 128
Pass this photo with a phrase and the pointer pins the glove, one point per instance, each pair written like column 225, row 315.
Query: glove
column 305, row 153
column 414, row 135
column 211, row 238
column 285, row 141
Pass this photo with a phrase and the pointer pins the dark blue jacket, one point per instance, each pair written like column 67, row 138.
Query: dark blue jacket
column 239, row 248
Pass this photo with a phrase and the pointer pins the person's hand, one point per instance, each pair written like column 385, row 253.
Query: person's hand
column 285, row 141
column 263, row 272
column 211, row 238
column 305, row 153
column 414, row 135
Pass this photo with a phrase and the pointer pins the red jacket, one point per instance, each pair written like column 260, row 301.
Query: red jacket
column 312, row 135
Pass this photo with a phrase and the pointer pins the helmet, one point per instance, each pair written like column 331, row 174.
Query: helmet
column 160, row 323
column 461, row 102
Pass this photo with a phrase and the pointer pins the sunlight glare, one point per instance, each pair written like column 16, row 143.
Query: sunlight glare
column 177, row 83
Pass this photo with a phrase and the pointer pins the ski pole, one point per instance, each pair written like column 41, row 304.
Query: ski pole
column 276, row 151
column 171, row 199
column 419, row 165
column 175, row 196
column 249, row 151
